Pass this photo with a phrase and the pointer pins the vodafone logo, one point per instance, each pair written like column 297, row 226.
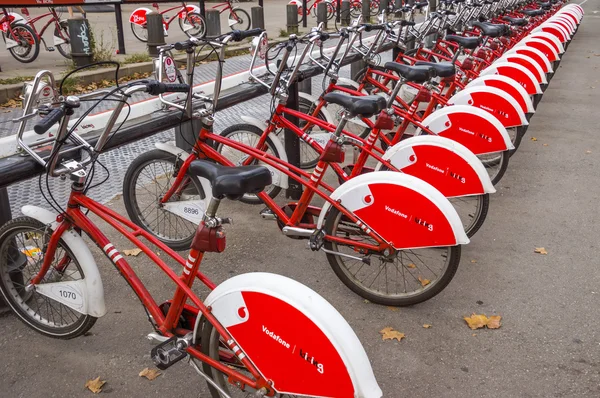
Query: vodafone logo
column 368, row 199
column 242, row 313
column 46, row 91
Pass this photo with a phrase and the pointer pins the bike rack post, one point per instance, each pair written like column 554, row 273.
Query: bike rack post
column 305, row 86
column 260, row 4
column 397, row 5
column 383, row 5
column 345, row 13
column 322, row 14
column 338, row 11
column 213, row 23
column 292, row 18
column 304, row 13
column 366, row 10
column 202, row 8
column 292, row 144
column 156, row 32
column 120, row 37
column 81, row 41
column 5, row 216
column 258, row 17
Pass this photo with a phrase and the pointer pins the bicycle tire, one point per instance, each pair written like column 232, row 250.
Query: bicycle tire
column 197, row 22
column 253, row 130
column 12, row 284
column 498, row 164
column 139, row 31
column 25, row 35
column 472, row 221
column 308, row 156
column 65, row 48
column 423, row 291
column 244, row 24
column 137, row 205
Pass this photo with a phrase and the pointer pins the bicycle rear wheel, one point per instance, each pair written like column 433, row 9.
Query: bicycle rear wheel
column 28, row 47
column 139, row 31
column 64, row 48
column 22, row 245
column 238, row 19
column 196, row 26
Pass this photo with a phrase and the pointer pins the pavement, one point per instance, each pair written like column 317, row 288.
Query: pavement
column 549, row 342
column 104, row 28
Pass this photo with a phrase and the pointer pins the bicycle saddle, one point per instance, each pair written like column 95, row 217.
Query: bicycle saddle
column 442, row 69
column 232, row 182
column 469, row 43
column 489, row 29
column 417, row 74
column 365, row 106
column 533, row 13
column 516, row 21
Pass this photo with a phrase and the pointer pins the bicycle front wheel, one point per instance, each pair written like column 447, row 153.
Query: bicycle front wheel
column 495, row 164
column 139, row 31
column 22, row 245
column 28, row 44
column 146, row 181
column 403, row 278
column 193, row 25
column 238, row 19
column 62, row 31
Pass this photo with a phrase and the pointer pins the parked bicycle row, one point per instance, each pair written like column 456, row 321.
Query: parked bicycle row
column 429, row 134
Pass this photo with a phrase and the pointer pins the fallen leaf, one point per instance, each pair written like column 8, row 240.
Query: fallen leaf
column 424, row 282
column 366, row 301
column 95, row 385
column 540, row 250
column 150, row 374
column 533, row 139
column 545, row 144
column 494, row 322
column 473, row 261
column 132, row 252
column 588, row 152
column 393, row 308
column 390, row 334
column 411, row 265
column 427, row 326
column 474, row 335
column 476, row 321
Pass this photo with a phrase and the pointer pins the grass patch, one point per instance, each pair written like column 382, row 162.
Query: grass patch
column 136, row 58
column 15, row 80
column 283, row 33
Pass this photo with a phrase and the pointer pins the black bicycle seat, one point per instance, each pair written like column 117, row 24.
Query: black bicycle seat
column 442, row 69
column 417, row 74
column 469, row 43
column 516, row 21
column 489, row 29
column 533, row 13
column 365, row 106
column 232, row 182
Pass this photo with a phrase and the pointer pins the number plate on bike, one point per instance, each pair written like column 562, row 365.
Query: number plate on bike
column 170, row 69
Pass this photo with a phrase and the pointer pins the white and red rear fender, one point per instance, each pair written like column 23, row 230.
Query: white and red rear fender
column 85, row 296
column 527, row 62
column 315, row 100
column 544, row 46
column 574, row 14
column 474, row 128
column 271, row 316
column 548, row 38
column 296, row 2
column 517, row 72
column 138, row 16
column 576, row 8
column 403, row 210
column 565, row 22
column 508, row 85
column 447, row 165
column 497, row 102
column 555, row 30
column 534, row 53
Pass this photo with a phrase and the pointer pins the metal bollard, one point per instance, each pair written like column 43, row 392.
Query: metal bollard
column 305, row 86
column 213, row 23
column 258, row 17
column 322, row 14
column 156, row 32
column 81, row 41
column 366, row 10
column 383, row 6
column 356, row 68
column 292, row 144
column 398, row 5
column 292, row 18
column 345, row 13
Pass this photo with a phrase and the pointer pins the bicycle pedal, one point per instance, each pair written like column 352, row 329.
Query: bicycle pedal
column 50, row 49
column 267, row 214
column 167, row 354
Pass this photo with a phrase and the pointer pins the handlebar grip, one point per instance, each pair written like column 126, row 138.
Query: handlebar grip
column 239, row 35
column 183, row 45
column 421, row 4
column 448, row 12
column 50, row 120
column 156, row 88
column 407, row 23
column 369, row 27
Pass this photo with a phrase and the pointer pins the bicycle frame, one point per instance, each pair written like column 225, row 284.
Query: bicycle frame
column 54, row 19
column 226, row 6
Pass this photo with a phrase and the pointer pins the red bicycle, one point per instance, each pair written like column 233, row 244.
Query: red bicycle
column 60, row 37
column 260, row 334
column 238, row 18
column 21, row 41
column 312, row 7
column 188, row 16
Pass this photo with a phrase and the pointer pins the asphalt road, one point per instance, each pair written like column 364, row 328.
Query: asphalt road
column 549, row 342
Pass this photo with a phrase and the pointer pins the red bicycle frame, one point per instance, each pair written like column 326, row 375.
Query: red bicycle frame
column 182, row 13
column 55, row 19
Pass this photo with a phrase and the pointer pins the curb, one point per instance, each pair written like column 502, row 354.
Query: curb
column 10, row 91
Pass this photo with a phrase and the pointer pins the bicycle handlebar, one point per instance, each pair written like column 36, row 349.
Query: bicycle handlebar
column 155, row 88
column 50, row 120
column 236, row 35
column 239, row 35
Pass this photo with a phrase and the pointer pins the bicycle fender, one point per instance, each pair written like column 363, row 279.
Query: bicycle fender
column 84, row 296
column 447, row 165
column 189, row 8
column 497, row 102
column 528, row 63
column 551, row 41
column 138, row 16
column 517, row 72
column 509, row 86
column 314, row 100
column 170, row 147
column 296, row 2
column 472, row 127
column 279, row 179
column 345, row 81
column 572, row 14
column 555, row 30
column 535, row 54
column 13, row 18
column 544, row 46
column 565, row 22
column 403, row 210
column 277, row 321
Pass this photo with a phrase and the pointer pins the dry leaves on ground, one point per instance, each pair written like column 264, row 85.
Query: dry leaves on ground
column 426, row 326
column 411, row 265
column 132, row 252
column 540, row 250
column 478, row 321
column 424, row 282
column 95, row 385
column 533, row 139
column 150, row 374
column 473, row 261
column 390, row 334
